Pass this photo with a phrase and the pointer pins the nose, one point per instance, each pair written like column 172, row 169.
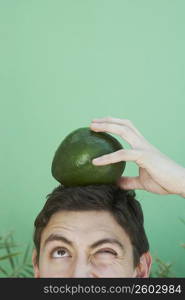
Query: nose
column 82, row 269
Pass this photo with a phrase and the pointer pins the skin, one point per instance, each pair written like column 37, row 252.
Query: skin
column 110, row 255
column 157, row 173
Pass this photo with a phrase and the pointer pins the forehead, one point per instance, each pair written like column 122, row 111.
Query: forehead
column 86, row 226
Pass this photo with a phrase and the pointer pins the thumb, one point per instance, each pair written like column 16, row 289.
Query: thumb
column 129, row 183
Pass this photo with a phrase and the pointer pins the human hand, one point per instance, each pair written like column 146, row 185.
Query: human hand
column 157, row 172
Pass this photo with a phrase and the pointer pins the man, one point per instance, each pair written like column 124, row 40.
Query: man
column 91, row 231
column 98, row 230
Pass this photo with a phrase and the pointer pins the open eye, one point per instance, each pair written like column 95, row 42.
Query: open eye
column 59, row 252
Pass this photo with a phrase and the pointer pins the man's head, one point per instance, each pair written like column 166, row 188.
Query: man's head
column 91, row 231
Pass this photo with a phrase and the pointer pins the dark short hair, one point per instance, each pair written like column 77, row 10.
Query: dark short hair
column 120, row 203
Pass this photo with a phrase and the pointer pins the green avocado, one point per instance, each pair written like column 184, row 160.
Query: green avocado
column 72, row 162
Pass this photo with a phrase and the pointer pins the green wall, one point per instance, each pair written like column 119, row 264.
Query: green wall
column 65, row 62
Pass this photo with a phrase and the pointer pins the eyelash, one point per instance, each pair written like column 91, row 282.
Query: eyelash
column 100, row 251
column 56, row 249
column 108, row 251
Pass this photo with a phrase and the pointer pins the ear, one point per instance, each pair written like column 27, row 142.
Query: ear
column 144, row 266
column 35, row 265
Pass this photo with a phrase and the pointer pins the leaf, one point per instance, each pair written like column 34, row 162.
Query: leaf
column 30, row 266
column 16, row 271
column 26, row 254
column 164, row 269
column 8, row 236
column 8, row 256
column 22, row 274
column 7, row 239
column 20, row 269
column 21, row 265
column 30, row 272
column 3, row 271
column 2, row 246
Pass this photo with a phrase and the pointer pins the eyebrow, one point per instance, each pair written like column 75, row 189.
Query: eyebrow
column 107, row 240
column 56, row 237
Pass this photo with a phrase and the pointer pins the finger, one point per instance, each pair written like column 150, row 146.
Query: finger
column 117, row 121
column 120, row 155
column 130, row 183
column 110, row 120
column 110, row 127
column 125, row 132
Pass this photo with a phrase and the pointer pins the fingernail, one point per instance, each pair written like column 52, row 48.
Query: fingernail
column 96, row 160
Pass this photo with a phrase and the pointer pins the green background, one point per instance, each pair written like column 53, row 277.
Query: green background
column 63, row 63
